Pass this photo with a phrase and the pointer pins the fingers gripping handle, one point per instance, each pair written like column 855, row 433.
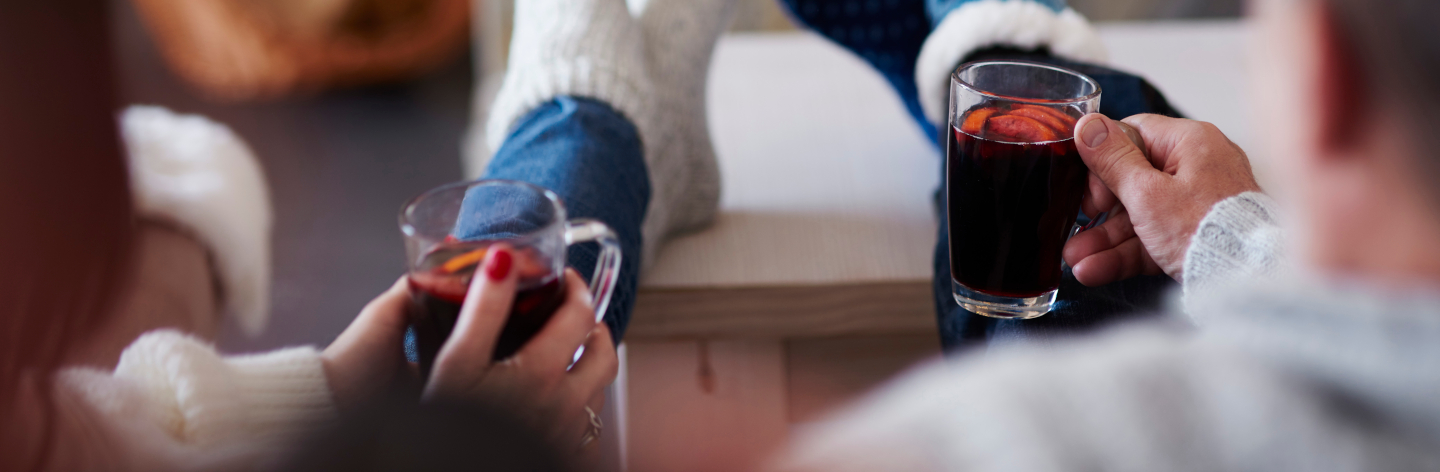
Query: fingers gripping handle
column 607, row 266
column 1134, row 135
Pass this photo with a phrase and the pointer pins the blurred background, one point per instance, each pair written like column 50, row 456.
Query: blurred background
column 349, row 126
column 354, row 106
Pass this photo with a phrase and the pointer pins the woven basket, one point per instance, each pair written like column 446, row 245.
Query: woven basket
column 236, row 50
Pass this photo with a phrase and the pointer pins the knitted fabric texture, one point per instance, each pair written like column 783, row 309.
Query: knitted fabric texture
column 649, row 61
column 171, row 392
column 198, row 174
column 1239, row 241
column 1015, row 23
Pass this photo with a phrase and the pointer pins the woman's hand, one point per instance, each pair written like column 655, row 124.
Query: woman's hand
column 535, row 378
column 369, row 356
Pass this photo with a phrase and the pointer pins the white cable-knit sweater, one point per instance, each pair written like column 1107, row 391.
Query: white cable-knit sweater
column 1271, row 372
column 174, row 403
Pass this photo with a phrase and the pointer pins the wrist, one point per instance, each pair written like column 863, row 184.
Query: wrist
column 336, row 378
column 1238, row 239
column 354, row 382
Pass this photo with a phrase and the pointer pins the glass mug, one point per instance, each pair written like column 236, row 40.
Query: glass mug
column 448, row 231
column 1014, row 182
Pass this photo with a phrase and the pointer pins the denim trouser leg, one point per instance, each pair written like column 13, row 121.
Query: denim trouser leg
column 591, row 156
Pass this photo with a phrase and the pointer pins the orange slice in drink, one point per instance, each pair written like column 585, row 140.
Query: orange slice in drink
column 975, row 121
column 455, row 264
column 1015, row 128
column 1055, row 112
column 1056, row 123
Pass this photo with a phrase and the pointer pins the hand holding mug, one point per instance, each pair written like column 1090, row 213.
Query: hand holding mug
column 1162, row 191
column 536, row 378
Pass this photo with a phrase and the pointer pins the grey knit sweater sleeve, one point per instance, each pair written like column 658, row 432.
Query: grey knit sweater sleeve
column 1142, row 397
column 1239, row 240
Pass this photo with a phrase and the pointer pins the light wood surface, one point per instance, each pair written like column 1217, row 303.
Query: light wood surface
column 814, row 310
column 823, row 374
column 825, row 178
column 705, row 405
column 727, row 405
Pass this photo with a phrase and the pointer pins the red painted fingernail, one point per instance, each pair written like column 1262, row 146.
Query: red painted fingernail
column 499, row 265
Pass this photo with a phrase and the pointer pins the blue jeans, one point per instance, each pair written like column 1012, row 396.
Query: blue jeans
column 590, row 156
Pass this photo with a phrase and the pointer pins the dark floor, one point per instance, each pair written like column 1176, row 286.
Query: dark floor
column 339, row 166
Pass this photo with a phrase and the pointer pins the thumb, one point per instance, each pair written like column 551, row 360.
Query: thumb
column 1112, row 156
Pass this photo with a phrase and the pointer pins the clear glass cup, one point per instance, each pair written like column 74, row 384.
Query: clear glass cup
column 448, row 231
column 1014, row 182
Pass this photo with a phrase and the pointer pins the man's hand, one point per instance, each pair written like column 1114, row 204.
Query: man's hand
column 1190, row 167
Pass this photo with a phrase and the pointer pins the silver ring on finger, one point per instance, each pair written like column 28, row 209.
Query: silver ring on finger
column 592, row 433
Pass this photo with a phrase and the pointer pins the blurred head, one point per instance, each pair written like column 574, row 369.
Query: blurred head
column 1347, row 93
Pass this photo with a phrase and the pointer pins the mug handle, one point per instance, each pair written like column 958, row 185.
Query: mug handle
column 607, row 266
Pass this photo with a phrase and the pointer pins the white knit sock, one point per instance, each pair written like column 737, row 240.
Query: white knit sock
column 680, row 37
column 649, row 62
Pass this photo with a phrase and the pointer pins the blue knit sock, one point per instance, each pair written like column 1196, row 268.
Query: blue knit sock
column 887, row 34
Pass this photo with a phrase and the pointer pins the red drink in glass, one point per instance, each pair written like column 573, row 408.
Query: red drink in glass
column 449, row 229
column 1015, row 181
column 439, row 284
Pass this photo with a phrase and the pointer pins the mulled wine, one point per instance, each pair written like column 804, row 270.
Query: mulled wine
column 438, row 286
column 1015, row 183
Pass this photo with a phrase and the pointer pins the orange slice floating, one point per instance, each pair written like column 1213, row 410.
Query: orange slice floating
column 1049, row 120
column 1067, row 120
column 455, row 264
column 1022, row 129
column 975, row 121
column 530, row 266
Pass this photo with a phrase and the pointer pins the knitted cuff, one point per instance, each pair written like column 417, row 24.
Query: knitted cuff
column 285, row 391
column 204, row 399
column 984, row 23
column 196, row 173
column 1239, row 240
column 571, row 48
